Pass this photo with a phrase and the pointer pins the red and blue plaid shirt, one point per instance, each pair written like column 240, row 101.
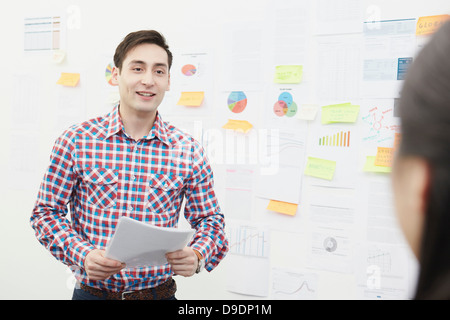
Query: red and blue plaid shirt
column 103, row 174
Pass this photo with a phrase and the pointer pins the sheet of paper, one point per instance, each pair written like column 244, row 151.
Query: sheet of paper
column 320, row 168
column 281, row 164
column 339, row 16
column 382, row 272
column 243, row 52
column 44, row 34
column 287, row 24
column 69, row 79
column 191, row 99
column 141, row 244
column 338, row 66
column 288, row 74
column 239, row 191
column 389, row 49
column 248, row 275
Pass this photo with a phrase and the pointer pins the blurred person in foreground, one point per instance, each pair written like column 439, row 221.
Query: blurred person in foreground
column 421, row 170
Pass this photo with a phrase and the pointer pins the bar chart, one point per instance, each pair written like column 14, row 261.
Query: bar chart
column 339, row 139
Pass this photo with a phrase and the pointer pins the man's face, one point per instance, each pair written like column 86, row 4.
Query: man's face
column 143, row 79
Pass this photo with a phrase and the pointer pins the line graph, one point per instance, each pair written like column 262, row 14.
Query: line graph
column 249, row 240
column 291, row 285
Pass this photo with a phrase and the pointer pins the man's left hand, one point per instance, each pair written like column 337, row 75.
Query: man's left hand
column 183, row 262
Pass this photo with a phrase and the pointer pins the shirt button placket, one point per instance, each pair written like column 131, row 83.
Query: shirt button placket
column 134, row 161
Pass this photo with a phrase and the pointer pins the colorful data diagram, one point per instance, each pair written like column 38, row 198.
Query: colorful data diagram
column 189, row 70
column 237, row 101
column 339, row 139
column 108, row 73
column 285, row 106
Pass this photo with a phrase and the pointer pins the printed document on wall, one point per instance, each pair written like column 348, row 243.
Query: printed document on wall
column 44, row 34
column 389, row 49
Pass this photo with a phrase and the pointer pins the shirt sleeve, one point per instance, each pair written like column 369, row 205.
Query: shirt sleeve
column 203, row 212
column 49, row 217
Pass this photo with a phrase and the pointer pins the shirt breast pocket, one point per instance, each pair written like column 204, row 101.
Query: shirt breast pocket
column 101, row 185
column 163, row 191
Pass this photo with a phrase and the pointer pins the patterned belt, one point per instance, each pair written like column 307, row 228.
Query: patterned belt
column 161, row 292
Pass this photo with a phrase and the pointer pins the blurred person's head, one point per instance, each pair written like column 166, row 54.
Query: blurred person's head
column 421, row 172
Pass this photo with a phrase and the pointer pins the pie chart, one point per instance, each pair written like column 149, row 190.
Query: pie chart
column 237, row 101
column 108, row 73
column 189, row 70
column 330, row 244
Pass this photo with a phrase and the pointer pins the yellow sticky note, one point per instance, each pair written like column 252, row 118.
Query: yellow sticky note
column 320, row 168
column 283, row 207
column 288, row 74
column 370, row 166
column 344, row 112
column 69, row 79
column 384, row 157
column 430, row 24
column 238, row 125
column 191, row 99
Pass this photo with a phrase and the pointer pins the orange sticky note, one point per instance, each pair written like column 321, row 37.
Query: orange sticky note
column 430, row 24
column 283, row 207
column 191, row 99
column 384, row 157
column 69, row 79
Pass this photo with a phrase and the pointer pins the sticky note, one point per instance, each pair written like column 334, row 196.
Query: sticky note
column 384, row 157
column 191, row 99
column 69, row 79
column 283, row 207
column 288, row 74
column 430, row 24
column 320, row 168
column 58, row 56
column 238, row 125
column 307, row 112
column 344, row 112
column 370, row 166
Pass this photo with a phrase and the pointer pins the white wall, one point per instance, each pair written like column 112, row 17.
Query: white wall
column 27, row 270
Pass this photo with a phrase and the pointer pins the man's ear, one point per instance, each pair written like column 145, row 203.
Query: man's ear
column 115, row 76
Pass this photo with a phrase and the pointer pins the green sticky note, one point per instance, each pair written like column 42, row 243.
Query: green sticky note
column 370, row 166
column 344, row 112
column 320, row 168
column 288, row 74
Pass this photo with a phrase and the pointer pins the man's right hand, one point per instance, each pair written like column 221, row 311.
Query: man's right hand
column 98, row 267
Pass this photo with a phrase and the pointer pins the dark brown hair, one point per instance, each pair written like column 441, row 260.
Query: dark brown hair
column 134, row 39
column 425, row 121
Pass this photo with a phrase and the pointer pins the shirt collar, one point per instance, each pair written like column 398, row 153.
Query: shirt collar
column 159, row 129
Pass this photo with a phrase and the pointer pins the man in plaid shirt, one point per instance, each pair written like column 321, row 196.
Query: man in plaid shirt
column 129, row 163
